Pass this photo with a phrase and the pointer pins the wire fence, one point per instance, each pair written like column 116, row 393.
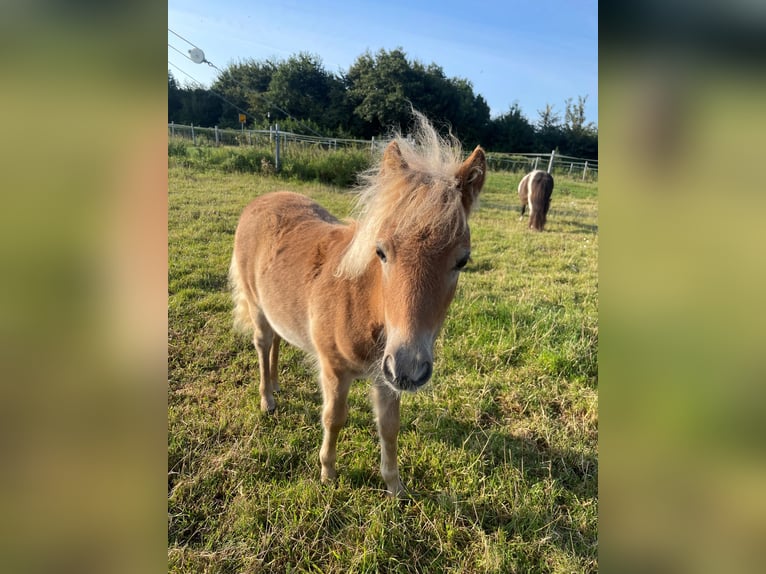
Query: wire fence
column 282, row 141
column 553, row 163
column 223, row 136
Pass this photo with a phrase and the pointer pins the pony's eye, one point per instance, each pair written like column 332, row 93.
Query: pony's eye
column 380, row 253
column 462, row 262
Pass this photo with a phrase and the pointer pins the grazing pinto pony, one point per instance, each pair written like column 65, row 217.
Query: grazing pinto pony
column 535, row 190
column 366, row 298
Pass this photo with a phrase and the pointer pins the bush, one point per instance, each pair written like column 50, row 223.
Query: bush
column 176, row 147
column 336, row 167
column 247, row 160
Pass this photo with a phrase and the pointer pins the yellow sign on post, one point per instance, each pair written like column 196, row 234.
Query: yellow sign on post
column 242, row 118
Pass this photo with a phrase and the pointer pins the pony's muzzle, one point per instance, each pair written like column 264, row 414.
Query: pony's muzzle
column 405, row 372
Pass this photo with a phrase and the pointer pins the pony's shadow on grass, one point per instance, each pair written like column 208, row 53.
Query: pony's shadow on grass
column 570, row 468
column 571, row 218
column 567, row 219
column 480, row 266
column 577, row 227
column 499, row 206
column 533, row 457
column 367, row 477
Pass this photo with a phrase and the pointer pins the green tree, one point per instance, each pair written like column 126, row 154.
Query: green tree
column 375, row 95
column 174, row 99
column 300, row 87
column 383, row 88
column 449, row 101
column 512, row 132
column 470, row 118
column 574, row 115
column 378, row 89
column 199, row 106
column 245, row 84
column 550, row 135
column 581, row 138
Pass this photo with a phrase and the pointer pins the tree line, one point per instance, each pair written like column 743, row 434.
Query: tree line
column 375, row 94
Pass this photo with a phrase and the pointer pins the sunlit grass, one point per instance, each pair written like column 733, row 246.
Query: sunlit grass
column 499, row 450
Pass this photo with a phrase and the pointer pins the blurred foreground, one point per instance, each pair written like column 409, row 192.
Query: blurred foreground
column 682, row 277
column 83, row 288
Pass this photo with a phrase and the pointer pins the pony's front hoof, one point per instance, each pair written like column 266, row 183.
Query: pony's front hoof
column 268, row 407
column 397, row 491
column 329, row 476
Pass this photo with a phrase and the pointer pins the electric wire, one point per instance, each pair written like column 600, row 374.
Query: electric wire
column 172, row 47
column 240, row 84
column 184, row 39
column 235, row 106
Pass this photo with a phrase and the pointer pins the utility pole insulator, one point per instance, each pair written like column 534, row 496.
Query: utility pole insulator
column 197, row 56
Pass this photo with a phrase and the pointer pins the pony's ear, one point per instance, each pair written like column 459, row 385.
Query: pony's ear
column 470, row 178
column 392, row 158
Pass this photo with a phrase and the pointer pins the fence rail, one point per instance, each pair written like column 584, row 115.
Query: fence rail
column 554, row 163
column 557, row 164
column 226, row 136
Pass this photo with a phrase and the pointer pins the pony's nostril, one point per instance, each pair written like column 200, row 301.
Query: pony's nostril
column 423, row 373
column 388, row 367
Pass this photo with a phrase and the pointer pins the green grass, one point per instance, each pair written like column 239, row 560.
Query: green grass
column 308, row 163
column 499, row 450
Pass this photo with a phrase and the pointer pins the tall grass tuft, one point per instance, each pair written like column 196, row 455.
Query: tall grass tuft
column 177, row 147
column 334, row 167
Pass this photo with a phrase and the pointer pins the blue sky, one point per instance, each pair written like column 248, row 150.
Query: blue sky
column 532, row 53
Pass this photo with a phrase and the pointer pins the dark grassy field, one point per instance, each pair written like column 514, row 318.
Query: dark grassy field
column 499, row 450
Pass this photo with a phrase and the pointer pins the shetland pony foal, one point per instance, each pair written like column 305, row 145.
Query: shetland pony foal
column 535, row 190
column 366, row 298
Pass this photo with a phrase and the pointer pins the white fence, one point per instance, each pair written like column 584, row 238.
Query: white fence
column 557, row 164
column 221, row 136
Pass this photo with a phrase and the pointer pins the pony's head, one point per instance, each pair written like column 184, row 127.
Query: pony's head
column 413, row 224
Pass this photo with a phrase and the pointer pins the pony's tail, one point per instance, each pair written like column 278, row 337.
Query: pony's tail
column 242, row 321
column 540, row 191
column 537, row 219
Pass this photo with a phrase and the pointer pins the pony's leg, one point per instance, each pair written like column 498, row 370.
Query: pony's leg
column 334, row 414
column 386, row 402
column 263, row 337
column 523, row 208
column 274, row 363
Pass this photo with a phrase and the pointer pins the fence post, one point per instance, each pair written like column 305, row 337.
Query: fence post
column 550, row 163
column 537, row 159
column 372, row 145
column 249, row 137
column 216, row 135
column 570, row 168
column 173, row 129
column 194, row 138
column 276, row 158
column 585, row 170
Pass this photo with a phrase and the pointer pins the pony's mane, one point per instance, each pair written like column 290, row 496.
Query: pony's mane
column 417, row 197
